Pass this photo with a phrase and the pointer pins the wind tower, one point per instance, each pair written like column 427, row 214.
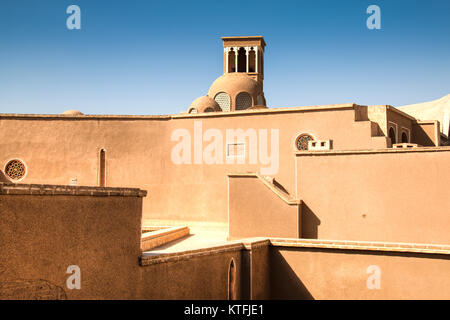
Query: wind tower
column 246, row 55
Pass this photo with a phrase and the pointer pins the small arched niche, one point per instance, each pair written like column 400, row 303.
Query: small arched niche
column 242, row 60
column 252, row 60
column 404, row 137
column 392, row 135
column 231, row 60
column 232, row 280
column 102, row 168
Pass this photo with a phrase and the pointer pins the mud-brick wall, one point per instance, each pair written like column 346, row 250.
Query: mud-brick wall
column 45, row 229
column 386, row 195
column 321, row 273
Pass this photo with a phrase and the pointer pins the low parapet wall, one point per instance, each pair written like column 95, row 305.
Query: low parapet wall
column 286, row 268
column 331, row 269
column 235, row 270
column 161, row 236
column 49, row 233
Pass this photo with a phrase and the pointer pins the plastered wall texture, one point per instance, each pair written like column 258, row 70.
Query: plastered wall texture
column 46, row 228
column 339, row 270
column 359, row 190
column 58, row 148
column 379, row 195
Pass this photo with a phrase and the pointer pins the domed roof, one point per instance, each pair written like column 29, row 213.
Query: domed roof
column 234, row 83
column 72, row 112
column 203, row 103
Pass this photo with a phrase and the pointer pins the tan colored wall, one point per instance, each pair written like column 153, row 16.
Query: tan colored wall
column 378, row 114
column 204, row 273
column 256, row 210
column 138, row 153
column 203, row 276
column 57, row 149
column 426, row 133
column 260, row 271
column 308, row 273
column 4, row 178
column 42, row 235
column 388, row 195
column 186, row 183
column 46, row 228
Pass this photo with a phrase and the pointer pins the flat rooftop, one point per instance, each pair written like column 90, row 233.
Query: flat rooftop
column 199, row 238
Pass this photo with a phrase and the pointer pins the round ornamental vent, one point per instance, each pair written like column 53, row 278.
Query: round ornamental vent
column 223, row 100
column 243, row 101
column 302, row 141
column 15, row 169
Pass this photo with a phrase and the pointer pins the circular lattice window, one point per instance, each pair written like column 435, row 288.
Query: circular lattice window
column 302, row 141
column 243, row 101
column 223, row 100
column 15, row 169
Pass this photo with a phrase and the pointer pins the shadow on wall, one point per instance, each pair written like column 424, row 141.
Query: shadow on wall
column 279, row 186
column 285, row 284
column 421, row 137
column 4, row 178
column 309, row 223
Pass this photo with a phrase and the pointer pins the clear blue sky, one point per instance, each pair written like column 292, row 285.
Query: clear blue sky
column 155, row 57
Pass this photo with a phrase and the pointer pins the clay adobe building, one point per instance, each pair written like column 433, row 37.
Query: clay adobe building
column 229, row 199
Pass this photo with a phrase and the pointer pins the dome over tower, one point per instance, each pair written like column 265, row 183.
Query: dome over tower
column 241, row 85
column 236, row 91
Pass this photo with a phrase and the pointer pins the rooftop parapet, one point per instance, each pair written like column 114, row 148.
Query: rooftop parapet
column 50, row 189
